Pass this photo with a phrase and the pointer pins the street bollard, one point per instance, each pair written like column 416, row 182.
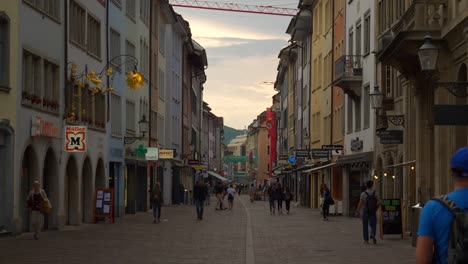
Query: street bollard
column 415, row 216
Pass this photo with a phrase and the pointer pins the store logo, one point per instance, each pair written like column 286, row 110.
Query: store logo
column 75, row 138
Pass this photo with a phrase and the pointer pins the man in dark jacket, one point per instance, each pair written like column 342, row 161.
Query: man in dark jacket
column 199, row 194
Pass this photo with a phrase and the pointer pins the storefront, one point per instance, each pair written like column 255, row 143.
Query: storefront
column 356, row 170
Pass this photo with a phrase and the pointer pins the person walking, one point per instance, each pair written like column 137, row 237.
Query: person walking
column 199, row 195
column 231, row 192
column 253, row 191
column 38, row 204
column 271, row 197
column 370, row 203
column 219, row 190
column 156, row 202
column 288, row 196
column 279, row 198
column 443, row 226
column 326, row 203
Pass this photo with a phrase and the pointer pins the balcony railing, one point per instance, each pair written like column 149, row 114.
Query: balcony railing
column 348, row 66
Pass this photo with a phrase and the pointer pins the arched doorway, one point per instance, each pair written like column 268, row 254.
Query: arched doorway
column 29, row 173
column 71, row 192
column 389, row 179
column 100, row 181
column 50, row 185
column 87, row 192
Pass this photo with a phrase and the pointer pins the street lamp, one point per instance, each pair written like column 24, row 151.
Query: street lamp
column 143, row 127
column 377, row 98
column 428, row 57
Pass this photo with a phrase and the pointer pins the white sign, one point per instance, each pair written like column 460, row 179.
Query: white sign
column 152, row 154
column 75, row 138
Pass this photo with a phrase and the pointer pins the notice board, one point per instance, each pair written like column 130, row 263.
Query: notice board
column 391, row 218
column 104, row 204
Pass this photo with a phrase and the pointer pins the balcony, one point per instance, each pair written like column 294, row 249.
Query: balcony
column 348, row 74
column 398, row 45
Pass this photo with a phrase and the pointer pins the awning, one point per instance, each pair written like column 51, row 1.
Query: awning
column 357, row 159
column 402, row 164
column 214, row 174
column 321, row 167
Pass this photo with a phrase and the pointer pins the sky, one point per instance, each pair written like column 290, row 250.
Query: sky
column 242, row 52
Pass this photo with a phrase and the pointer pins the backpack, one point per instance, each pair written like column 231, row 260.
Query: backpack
column 457, row 251
column 371, row 203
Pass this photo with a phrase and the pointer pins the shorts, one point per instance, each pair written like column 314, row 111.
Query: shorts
column 231, row 198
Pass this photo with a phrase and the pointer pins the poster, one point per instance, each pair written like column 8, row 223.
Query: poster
column 107, row 197
column 106, row 208
column 391, row 220
column 99, row 204
column 100, row 194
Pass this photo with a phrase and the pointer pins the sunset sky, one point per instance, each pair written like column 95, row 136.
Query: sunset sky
column 242, row 54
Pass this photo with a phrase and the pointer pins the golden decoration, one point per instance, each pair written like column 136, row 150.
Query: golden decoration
column 109, row 71
column 135, row 80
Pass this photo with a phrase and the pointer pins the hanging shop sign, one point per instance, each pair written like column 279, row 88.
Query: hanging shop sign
column 292, row 159
column 356, row 145
column 302, row 153
column 43, row 128
column 193, row 162
column 320, row 154
column 166, row 154
column 391, row 137
column 391, row 222
column 75, row 138
column 336, row 150
column 152, row 154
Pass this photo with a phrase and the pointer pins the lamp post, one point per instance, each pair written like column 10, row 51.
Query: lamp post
column 143, row 128
column 428, row 55
column 377, row 98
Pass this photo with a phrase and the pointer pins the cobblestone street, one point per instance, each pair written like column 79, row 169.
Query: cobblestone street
column 247, row 234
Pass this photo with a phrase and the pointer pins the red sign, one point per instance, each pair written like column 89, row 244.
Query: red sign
column 75, row 138
column 271, row 127
column 43, row 128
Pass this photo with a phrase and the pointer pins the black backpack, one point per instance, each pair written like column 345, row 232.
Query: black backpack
column 371, row 203
column 457, row 252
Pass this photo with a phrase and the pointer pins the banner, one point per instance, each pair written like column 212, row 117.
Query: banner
column 75, row 138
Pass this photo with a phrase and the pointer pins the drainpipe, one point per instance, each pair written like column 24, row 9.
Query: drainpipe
column 107, row 58
column 332, row 87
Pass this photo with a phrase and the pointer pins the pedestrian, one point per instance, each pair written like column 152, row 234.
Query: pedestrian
column 326, row 203
column 288, row 196
column 253, row 191
column 231, row 192
column 38, row 204
column 181, row 194
column 156, row 202
column 199, row 194
column 271, row 198
column 207, row 194
column 370, row 203
column 279, row 198
column 219, row 190
column 443, row 226
column 322, row 192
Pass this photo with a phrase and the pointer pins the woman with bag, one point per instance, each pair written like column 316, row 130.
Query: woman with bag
column 38, row 204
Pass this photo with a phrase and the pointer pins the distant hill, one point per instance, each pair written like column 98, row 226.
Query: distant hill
column 230, row 133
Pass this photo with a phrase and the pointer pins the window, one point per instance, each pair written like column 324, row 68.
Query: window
column 130, row 50
column 144, row 58
column 162, row 39
column 162, row 87
column 86, row 106
column 100, row 110
column 130, row 9
column 358, row 37
column 116, row 112
column 144, row 11
column 357, row 107
column 366, row 102
column 31, row 74
column 115, row 48
column 94, row 36
column 351, row 39
column 367, row 30
column 77, row 24
column 50, row 8
column 51, row 81
column 349, row 113
column 388, row 81
column 130, row 116
column 4, row 50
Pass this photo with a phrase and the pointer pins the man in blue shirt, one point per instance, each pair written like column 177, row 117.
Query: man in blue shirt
column 436, row 219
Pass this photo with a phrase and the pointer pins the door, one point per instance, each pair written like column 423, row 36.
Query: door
column 354, row 191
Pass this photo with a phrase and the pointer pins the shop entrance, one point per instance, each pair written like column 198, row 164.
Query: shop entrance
column 50, row 185
column 28, row 175
column 71, row 192
column 354, row 190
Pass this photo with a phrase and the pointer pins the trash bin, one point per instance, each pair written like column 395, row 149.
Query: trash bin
column 415, row 215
